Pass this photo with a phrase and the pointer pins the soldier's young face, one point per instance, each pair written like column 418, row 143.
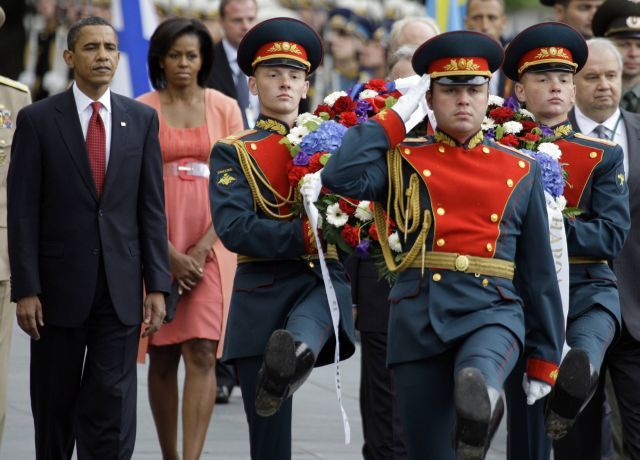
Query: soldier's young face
column 94, row 58
column 630, row 50
column 578, row 14
column 459, row 109
column 279, row 89
column 548, row 95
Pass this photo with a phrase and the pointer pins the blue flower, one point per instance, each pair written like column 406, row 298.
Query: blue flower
column 546, row 131
column 551, row 172
column 362, row 111
column 512, row 103
column 301, row 159
column 490, row 134
column 327, row 138
column 391, row 86
column 355, row 90
column 362, row 249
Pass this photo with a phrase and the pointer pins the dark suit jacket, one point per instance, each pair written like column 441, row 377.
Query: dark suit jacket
column 625, row 265
column 60, row 230
column 221, row 77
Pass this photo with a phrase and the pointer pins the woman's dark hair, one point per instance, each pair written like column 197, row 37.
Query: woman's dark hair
column 165, row 35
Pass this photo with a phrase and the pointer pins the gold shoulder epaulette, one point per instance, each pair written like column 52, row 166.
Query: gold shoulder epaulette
column 596, row 139
column 414, row 139
column 514, row 150
column 14, row 84
column 234, row 137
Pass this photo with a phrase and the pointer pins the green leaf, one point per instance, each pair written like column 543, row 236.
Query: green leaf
column 324, row 158
column 572, row 212
column 390, row 102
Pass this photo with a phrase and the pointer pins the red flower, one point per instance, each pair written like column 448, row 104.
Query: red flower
column 530, row 137
column 347, row 207
column 528, row 125
column 344, row 104
column 351, row 234
column 324, row 108
column 296, row 173
column 373, row 232
column 376, row 85
column 501, row 114
column 510, row 140
column 314, row 162
column 348, row 119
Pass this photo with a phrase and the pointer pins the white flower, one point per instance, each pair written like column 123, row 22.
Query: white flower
column 561, row 202
column 527, row 114
column 488, row 123
column 495, row 100
column 296, row 134
column 333, row 97
column 367, row 93
column 335, row 216
column 551, row 149
column 512, row 127
column 394, row 242
column 306, row 117
column 363, row 213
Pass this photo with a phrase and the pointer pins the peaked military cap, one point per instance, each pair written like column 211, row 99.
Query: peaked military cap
column 282, row 42
column 617, row 18
column 458, row 58
column 544, row 47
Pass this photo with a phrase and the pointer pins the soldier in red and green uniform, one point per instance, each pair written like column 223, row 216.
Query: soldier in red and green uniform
column 542, row 60
column 470, row 213
column 279, row 324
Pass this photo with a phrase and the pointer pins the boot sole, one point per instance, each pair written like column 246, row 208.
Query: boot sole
column 473, row 411
column 279, row 368
column 570, row 394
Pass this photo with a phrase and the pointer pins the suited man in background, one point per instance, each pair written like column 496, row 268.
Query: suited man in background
column 86, row 228
column 596, row 113
column 236, row 18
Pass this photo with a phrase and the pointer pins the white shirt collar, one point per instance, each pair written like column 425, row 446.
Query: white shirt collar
column 587, row 125
column 230, row 51
column 83, row 102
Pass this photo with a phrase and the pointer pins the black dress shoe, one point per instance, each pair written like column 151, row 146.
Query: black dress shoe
column 222, row 395
column 285, row 366
column 574, row 387
column 475, row 422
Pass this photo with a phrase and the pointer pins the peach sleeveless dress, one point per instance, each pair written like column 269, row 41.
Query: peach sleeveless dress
column 199, row 312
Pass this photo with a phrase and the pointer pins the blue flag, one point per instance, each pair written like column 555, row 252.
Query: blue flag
column 135, row 21
column 449, row 14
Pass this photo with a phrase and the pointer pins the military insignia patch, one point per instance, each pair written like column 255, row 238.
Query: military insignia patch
column 5, row 118
column 620, row 180
column 225, row 177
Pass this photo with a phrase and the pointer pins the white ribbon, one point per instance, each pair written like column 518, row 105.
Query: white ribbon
column 558, row 241
column 312, row 214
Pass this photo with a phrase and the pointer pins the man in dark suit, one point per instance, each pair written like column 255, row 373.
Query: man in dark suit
column 236, row 18
column 599, row 87
column 86, row 226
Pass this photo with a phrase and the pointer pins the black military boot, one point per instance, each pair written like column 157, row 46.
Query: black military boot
column 574, row 387
column 476, row 423
column 285, row 366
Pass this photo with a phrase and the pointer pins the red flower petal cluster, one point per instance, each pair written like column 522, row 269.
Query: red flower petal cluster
column 347, row 207
column 324, row 108
column 344, row 104
column 501, row 114
column 351, row 234
column 376, row 85
column 296, row 173
column 530, row 137
column 348, row 119
column 528, row 125
column 314, row 162
column 510, row 140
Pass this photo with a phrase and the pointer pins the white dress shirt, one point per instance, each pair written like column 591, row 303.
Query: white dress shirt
column 83, row 105
column 587, row 126
column 254, row 103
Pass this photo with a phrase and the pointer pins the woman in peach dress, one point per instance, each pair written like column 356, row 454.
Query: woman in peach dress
column 192, row 119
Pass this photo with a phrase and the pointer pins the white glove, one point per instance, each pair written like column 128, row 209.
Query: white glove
column 534, row 389
column 310, row 186
column 409, row 101
column 54, row 82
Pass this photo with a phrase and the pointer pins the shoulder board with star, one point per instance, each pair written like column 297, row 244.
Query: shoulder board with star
column 14, row 84
column 595, row 139
column 237, row 136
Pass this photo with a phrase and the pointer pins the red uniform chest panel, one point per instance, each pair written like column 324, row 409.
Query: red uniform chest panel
column 469, row 191
column 273, row 160
column 579, row 161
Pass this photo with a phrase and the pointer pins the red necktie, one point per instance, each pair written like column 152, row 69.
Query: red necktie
column 97, row 146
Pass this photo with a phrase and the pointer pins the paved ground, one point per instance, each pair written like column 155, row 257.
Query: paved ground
column 317, row 432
